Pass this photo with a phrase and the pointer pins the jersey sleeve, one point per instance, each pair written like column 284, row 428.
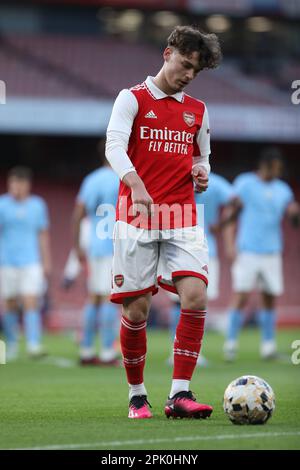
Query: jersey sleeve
column 226, row 191
column 86, row 195
column 118, row 132
column 123, row 113
column 288, row 195
column 43, row 216
column 240, row 186
column 202, row 143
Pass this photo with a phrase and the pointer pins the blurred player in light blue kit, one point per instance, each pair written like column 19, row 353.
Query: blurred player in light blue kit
column 99, row 188
column 219, row 194
column 24, row 260
column 257, row 254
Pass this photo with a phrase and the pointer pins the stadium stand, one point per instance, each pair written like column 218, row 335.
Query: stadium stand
column 82, row 67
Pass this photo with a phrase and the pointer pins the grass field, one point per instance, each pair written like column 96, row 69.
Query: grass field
column 55, row 404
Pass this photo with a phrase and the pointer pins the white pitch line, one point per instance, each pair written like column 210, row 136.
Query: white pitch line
column 110, row 444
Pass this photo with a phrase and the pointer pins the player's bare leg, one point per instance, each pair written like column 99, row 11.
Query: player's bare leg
column 267, row 319
column 187, row 344
column 230, row 347
column 134, row 349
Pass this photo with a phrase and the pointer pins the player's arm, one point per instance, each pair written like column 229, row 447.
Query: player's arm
column 79, row 213
column 44, row 240
column 229, row 216
column 293, row 213
column 201, row 166
column 117, row 137
column 71, row 270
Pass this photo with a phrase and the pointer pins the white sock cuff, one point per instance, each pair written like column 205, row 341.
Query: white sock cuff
column 179, row 385
column 138, row 389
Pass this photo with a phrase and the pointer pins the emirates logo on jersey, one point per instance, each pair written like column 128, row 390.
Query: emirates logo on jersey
column 189, row 118
column 119, row 280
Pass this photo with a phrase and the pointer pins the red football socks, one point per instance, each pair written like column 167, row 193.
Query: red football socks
column 187, row 343
column 134, row 347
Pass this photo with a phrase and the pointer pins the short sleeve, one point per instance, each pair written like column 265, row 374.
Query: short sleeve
column 288, row 195
column 43, row 215
column 240, row 185
column 226, row 191
column 82, row 195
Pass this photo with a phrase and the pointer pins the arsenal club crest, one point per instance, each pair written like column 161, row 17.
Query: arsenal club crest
column 119, row 280
column 189, row 118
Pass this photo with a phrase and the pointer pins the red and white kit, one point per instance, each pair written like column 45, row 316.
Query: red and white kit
column 160, row 137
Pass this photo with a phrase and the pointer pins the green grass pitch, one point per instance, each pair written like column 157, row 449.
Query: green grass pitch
column 55, row 404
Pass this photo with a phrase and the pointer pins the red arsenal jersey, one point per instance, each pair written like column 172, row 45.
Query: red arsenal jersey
column 162, row 143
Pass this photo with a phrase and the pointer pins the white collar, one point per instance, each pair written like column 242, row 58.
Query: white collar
column 158, row 93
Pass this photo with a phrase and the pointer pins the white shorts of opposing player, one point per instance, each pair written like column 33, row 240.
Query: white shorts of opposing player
column 99, row 275
column 22, row 281
column 252, row 270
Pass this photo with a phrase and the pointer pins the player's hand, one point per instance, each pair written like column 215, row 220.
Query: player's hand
column 141, row 200
column 200, row 178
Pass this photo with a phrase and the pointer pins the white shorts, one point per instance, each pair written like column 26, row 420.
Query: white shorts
column 21, row 281
column 99, row 277
column 214, row 278
column 213, row 285
column 145, row 258
column 251, row 270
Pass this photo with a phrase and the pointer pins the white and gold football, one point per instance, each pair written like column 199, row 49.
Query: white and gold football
column 249, row 400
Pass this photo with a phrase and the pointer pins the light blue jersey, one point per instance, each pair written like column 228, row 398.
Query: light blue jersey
column 264, row 205
column 20, row 225
column 218, row 194
column 100, row 187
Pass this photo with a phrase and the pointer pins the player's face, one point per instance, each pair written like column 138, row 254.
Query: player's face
column 276, row 168
column 180, row 70
column 19, row 188
column 273, row 170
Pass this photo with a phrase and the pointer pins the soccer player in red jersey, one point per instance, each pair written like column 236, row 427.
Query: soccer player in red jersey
column 158, row 142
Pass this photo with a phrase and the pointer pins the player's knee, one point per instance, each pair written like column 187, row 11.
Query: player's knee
column 194, row 300
column 137, row 309
column 240, row 300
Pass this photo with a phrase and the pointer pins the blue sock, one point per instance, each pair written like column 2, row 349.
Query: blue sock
column 234, row 325
column 10, row 321
column 267, row 321
column 175, row 315
column 89, row 325
column 109, row 324
column 33, row 327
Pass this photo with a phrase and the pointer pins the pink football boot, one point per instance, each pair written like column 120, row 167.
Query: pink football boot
column 184, row 405
column 139, row 407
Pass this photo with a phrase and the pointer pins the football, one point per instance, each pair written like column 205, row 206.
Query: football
column 249, row 400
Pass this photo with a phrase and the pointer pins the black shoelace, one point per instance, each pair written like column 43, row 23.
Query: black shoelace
column 138, row 401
